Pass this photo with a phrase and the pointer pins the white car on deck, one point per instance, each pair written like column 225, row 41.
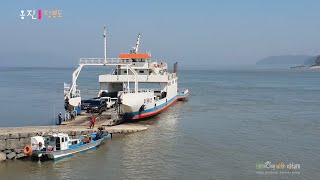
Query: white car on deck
column 111, row 102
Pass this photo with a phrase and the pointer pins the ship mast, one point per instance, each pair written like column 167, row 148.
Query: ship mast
column 105, row 44
column 135, row 49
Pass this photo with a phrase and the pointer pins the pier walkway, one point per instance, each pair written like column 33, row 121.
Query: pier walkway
column 14, row 139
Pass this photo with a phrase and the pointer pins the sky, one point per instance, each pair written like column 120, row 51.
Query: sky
column 202, row 33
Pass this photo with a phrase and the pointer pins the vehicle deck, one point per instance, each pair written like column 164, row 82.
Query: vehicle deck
column 107, row 118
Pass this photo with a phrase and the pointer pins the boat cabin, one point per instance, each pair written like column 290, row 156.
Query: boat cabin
column 139, row 62
column 57, row 142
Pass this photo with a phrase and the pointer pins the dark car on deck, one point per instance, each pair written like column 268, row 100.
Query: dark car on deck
column 85, row 104
column 97, row 106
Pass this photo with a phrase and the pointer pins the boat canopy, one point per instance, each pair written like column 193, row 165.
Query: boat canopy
column 134, row 56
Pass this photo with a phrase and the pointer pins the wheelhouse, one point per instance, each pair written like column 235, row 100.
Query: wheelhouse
column 57, row 141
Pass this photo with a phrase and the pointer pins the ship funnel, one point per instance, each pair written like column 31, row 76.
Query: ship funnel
column 175, row 67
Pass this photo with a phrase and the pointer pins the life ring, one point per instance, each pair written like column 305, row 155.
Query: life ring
column 27, row 150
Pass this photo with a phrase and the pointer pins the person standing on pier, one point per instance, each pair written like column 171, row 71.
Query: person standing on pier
column 60, row 118
column 92, row 121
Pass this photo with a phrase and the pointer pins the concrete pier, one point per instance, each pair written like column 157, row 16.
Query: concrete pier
column 14, row 139
column 107, row 118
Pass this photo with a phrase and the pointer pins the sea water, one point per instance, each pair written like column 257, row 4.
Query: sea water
column 237, row 124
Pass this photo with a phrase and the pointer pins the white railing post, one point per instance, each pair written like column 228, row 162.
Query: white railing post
column 135, row 78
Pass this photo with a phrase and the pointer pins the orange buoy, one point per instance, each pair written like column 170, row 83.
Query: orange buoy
column 27, row 150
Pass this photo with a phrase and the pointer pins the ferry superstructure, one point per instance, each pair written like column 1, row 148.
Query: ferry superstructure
column 123, row 82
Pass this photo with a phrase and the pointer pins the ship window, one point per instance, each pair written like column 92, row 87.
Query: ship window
column 65, row 139
column 124, row 71
column 141, row 71
column 62, row 140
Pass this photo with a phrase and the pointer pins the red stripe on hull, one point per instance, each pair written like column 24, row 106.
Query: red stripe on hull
column 141, row 116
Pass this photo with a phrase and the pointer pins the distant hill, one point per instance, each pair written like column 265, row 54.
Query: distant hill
column 287, row 60
column 317, row 61
column 310, row 61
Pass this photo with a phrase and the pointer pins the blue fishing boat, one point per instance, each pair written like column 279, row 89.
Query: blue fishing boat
column 59, row 145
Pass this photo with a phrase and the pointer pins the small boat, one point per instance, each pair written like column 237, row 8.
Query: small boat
column 59, row 145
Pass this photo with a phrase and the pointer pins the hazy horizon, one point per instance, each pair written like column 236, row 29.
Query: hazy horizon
column 195, row 34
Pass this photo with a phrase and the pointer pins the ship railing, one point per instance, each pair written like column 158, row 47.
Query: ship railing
column 139, row 91
column 93, row 61
column 145, row 90
column 105, row 61
column 171, row 76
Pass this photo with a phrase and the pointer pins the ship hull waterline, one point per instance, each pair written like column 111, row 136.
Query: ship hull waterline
column 156, row 110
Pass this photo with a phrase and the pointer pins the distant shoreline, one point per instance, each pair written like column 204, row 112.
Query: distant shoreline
column 305, row 67
column 314, row 67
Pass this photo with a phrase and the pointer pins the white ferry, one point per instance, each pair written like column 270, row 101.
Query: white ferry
column 129, row 71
